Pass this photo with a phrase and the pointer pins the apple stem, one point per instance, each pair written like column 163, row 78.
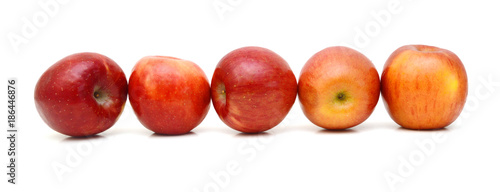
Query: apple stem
column 222, row 90
column 341, row 96
column 96, row 95
column 100, row 96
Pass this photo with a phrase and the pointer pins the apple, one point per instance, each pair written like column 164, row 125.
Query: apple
column 424, row 87
column 82, row 94
column 169, row 95
column 338, row 88
column 253, row 89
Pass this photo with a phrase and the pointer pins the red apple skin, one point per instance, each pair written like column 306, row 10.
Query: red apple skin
column 253, row 89
column 424, row 87
column 338, row 88
column 169, row 95
column 82, row 94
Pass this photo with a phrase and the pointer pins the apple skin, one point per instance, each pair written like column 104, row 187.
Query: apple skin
column 82, row 94
column 424, row 87
column 253, row 89
column 338, row 88
column 169, row 95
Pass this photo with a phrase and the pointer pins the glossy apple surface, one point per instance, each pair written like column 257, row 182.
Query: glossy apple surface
column 169, row 95
column 424, row 87
column 82, row 94
column 338, row 88
column 253, row 89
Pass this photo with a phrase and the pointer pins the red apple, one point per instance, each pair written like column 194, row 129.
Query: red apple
column 169, row 95
column 338, row 88
column 253, row 89
column 82, row 94
column 424, row 87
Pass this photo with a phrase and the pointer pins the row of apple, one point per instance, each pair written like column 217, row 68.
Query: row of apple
column 252, row 90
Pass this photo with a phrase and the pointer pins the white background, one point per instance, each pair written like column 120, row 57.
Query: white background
column 295, row 156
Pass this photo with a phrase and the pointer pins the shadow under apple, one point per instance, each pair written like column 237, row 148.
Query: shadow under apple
column 249, row 135
column 333, row 131
column 86, row 138
column 157, row 135
column 444, row 129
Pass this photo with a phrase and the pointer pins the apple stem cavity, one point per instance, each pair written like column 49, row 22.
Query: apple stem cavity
column 100, row 96
column 222, row 91
column 341, row 97
column 427, row 49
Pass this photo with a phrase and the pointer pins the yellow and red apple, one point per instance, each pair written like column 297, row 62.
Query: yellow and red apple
column 169, row 95
column 424, row 87
column 338, row 88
